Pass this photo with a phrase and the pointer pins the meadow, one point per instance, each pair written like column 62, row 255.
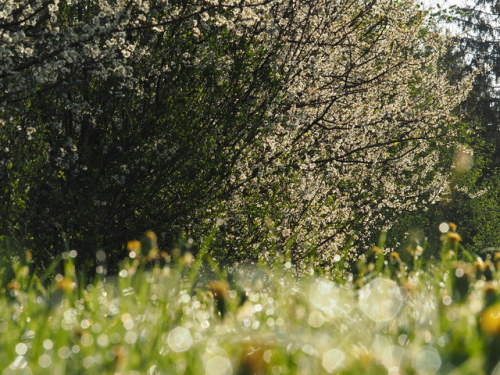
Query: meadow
column 278, row 139
column 173, row 312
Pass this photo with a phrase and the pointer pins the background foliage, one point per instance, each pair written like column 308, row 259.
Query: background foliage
column 473, row 198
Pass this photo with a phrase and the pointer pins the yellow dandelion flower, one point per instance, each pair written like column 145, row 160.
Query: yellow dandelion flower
column 151, row 235
column 453, row 226
column 490, row 320
column 490, row 292
column 394, row 256
column 134, row 246
column 220, row 291
column 14, row 285
column 153, row 254
column 255, row 360
column 65, row 284
column 454, row 237
column 219, row 288
column 479, row 265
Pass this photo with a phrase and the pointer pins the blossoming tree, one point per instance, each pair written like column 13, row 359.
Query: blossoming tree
column 305, row 123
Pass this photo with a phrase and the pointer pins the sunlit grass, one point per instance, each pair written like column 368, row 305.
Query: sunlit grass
column 180, row 314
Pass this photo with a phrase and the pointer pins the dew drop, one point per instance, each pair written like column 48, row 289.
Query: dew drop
column 444, row 227
column 333, row 360
column 427, row 361
column 21, row 348
column 218, row 365
column 380, row 299
column 48, row 344
column 44, row 361
column 179, row 339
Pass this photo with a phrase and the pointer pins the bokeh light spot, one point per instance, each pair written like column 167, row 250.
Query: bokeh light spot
column 179, row 339
column 380, row 299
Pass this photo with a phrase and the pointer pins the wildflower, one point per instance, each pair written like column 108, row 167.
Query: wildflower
column 489, row 271
column 394, row 257
column 220, row 291
column 120, row 354
column 454, row 237
column 255, row 360
column 134, row 246
column 490, row 292
column 150, row 245
column 14, row 285
column 187, row 259
column 485, row 269
column 153, row 254
column 65, row 284
column 453, row 227
column 490, row 320
column 151, row 235
column 479, row 265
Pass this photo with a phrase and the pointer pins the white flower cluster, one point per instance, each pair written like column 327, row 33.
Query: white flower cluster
column 367, row 108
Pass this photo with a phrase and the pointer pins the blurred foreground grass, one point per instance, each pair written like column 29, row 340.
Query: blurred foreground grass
column 394, row 313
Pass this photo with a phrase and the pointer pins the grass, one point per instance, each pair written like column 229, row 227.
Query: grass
column 397, row 313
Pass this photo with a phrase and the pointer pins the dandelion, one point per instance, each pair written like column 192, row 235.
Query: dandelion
column 453, row 237
column 484, row 269
column 152, row 236
column 14, row 285
column 134, row 246
column 220, row 291
column 394, row 257
column 150, row 245
column 65, row 284
column 490, row 320
column 255, row 360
